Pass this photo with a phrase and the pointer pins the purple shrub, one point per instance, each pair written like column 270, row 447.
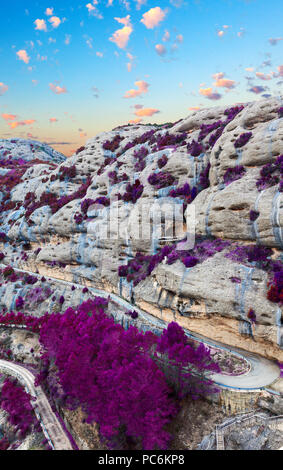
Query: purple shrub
column 195, row 148
column 204, row 177
column 280, row 112
column 181, row 359
column 67, row 172
column 19, row 303
column 133, row 192
column 271, row 174
column 251, row 315
column 103, row 201
column 243, row 139
column 254, row 215
column 2, row 256
column 113, row 144
column 162, row 161
column 78, row 218
column 161, row 180
column 17, row 403
column 206, row 129
column 233, row 174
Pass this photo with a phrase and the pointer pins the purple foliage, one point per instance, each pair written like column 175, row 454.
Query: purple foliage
column 271, row 174
column 234, row 174
column 19, row 303
column 133, row 192
column 195, row 148
column 17, row 403
column 243, row 139
column 254, row 215
column 103, row 201
column 280, row 112
column 161, row 180
column 113, row 144
column 162, row 161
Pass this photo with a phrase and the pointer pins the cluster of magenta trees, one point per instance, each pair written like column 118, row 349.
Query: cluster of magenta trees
column 127, row 382
column 17, row 403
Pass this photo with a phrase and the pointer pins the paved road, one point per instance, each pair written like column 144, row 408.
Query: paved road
column 263, row 372
column 49, row 422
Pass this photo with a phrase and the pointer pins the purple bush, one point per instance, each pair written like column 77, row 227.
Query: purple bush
column 234, row 174
column 162, row 179
column 243, row 139
column 133, row 192
column 254, row 215
column 280, row 112
column 271, row 174
column 162, row 161
column 195, row 148
column 17, row 403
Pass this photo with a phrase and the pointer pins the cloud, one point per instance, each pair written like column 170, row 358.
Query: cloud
column 142, row 88
column 121, row 36
column 40, row 25
column 193, row 108
column 224, row 83
column 22, row 55
column 166, row 36
column 208, row 93
column 68, row 38
column 93, row 10
column 249, row 69
column 153, row 17
column 49, row 11
column 160, row 49
column 135, row 121
column 274, row 41
column 180, row 38
column 257, row 89
column 280, row 70
column 9, row 117
column 146, row 112
column 263, row 76
column 220, row 33
column 15, row 124
column 51, row 120
column 140, row 3
column 99, row 54
column 3, row 88
column 57, row 89
column 55, row 21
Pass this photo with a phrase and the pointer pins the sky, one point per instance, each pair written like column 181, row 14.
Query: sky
column 72, row 69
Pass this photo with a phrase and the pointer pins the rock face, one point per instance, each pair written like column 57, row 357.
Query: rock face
column 112, row 203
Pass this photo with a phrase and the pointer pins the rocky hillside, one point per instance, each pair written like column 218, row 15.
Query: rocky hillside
column 100, row 218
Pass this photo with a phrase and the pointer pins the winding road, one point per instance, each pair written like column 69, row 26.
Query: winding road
column 49, row 422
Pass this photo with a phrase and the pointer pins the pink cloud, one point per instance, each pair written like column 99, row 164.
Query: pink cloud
column 146, row 112
column 55, row 21
column 135, row 121
column 142, row 88
column 51, row 120
column 40, row 25
column 49, row 11
column 22, row 55
column 3, row 88
column 262, row 76
column 224, row 83
column 9, row 117
column 160, row 49
column 15, row 124
column 153, row 17
column 280, row 70
column 57, row 89
column 121, row 36
column 208, row 93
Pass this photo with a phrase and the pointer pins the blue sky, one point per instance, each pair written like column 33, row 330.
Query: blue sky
column 72, row 69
